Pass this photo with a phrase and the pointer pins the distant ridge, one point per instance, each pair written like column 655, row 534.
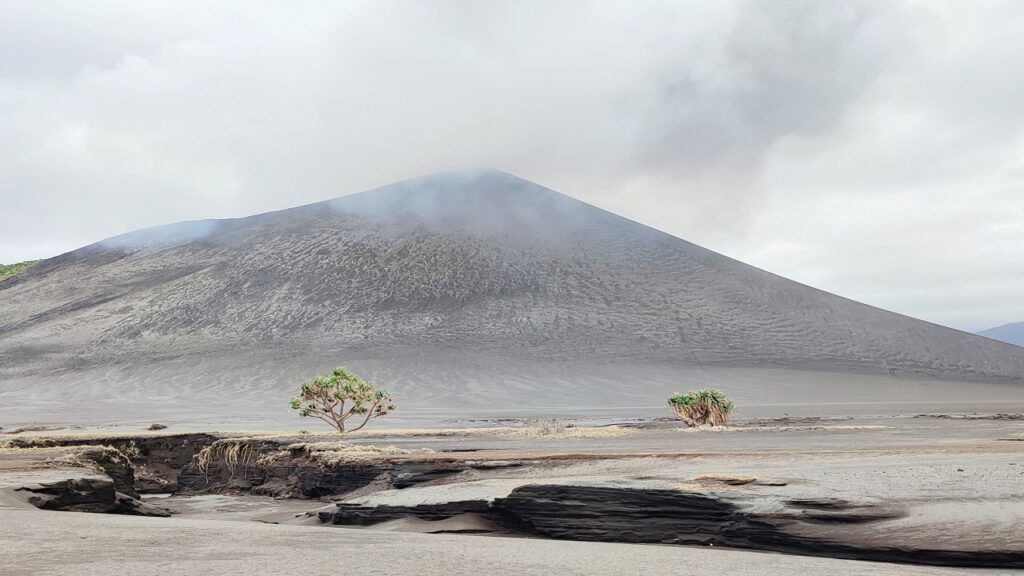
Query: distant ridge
column 473, row 288
column 1012, row 333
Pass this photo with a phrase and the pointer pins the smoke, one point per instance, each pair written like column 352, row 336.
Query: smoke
column 162, row 236
column 483, row 202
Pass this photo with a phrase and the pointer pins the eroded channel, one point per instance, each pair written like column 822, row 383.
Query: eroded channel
column 590, row 497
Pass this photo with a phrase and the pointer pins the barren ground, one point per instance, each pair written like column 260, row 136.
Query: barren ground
column 959, row 477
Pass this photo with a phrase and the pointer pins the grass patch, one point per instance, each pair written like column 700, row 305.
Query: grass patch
column 235, row 453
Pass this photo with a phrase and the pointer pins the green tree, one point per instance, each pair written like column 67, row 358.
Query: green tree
column 340, row 396
column 706, row 407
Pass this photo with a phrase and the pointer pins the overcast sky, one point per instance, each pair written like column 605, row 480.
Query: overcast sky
column 872, row 149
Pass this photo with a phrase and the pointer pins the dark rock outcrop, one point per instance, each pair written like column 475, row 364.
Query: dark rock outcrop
column 358, row 515
column 627, row 515
column 616, row 514
column 312, row 480
column 77, row 494
column 114, row 464
column 88, row 494
column 138, row 464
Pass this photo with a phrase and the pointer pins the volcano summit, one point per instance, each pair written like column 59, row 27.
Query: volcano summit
column 469, row 291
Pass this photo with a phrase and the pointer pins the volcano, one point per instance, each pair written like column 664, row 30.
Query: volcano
column 465, row 292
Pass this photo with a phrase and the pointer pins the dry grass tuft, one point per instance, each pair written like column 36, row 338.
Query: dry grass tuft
column 554, row 433
column 415, row 433
column 335, row 453
column 230, row 452
column 63, row 435
column 64, row 454
column 551, row 427
column 9, row 448
column 233, row 453
column 555, row 429
column 307, row 435
column 837, row 427
column 82, row 457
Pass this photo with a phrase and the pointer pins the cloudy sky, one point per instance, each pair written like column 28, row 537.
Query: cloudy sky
column 872, row 149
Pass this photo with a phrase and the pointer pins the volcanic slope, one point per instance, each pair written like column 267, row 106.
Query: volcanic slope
column 474, row 288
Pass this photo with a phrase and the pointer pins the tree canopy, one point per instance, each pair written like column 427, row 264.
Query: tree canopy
column 341, row 396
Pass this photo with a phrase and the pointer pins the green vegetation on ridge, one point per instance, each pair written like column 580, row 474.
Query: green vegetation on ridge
column 8, row 270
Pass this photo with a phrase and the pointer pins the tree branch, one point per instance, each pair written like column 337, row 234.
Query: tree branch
column 369, row 414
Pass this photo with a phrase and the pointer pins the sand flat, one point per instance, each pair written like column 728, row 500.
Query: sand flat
column 61, row 543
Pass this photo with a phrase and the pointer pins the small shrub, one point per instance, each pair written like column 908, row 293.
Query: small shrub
column 340, row 396
column 706, row 407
